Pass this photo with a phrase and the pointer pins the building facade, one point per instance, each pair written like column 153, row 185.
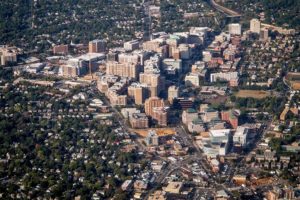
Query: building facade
column 189, row 115
column 97, row 46
column 255, row 26
column 160, row 116
column 131, row 45
column 8, row 55
column 151, row 103
column 223, row 76
column 173, row 93
column 61, row 49
column 235, row 29
column 138, row 92
column 139, row 120
column 129, row 70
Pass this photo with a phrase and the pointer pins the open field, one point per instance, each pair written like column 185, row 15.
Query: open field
column 293, row 76
column 293, row 79
column 159, row 131
column 257, row 94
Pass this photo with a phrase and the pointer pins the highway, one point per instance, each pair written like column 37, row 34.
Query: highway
column 228, row 12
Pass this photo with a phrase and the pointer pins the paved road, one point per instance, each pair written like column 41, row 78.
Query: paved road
column 191, row 142
column 222, row 9
column 197, row 155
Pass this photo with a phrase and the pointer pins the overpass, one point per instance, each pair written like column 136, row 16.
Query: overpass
column 228, row 12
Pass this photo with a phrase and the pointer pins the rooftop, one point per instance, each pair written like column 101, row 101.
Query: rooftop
column 240, row 130
column 92, row 56
column 139, row 116
column 220, row 132
column 191, row 110
column 174, row 187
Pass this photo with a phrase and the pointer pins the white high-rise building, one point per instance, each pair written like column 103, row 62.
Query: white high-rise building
column 235, row 29
column 255, row 26
column 227, row 76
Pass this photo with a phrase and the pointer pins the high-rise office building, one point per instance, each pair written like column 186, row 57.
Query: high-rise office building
column 255, row 26
column 154, row 82
column 97, row 46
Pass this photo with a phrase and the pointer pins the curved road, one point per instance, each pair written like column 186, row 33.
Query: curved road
column 228, row 12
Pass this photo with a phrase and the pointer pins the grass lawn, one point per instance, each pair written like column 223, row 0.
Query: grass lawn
column 257, row 94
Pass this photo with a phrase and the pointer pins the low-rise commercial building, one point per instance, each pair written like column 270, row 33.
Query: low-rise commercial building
column 192, row 79
column 174, row 187
column 196, row 126
column 61, row 49
column 240, row 136
column 231, row 117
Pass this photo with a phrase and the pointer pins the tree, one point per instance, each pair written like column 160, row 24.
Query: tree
column 275, row 144
column 232, row 98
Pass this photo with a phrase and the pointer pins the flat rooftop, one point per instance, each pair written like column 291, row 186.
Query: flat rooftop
column 220, row 132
